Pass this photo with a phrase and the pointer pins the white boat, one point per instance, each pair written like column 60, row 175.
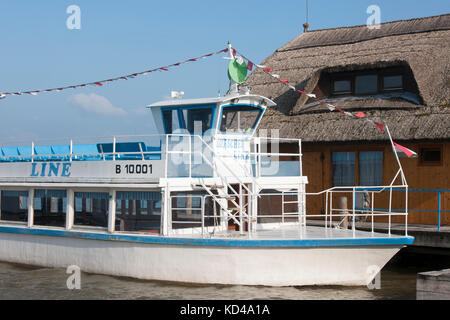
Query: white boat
column 206, row 201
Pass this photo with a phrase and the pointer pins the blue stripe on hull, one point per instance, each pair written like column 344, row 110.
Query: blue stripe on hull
column 287, row 243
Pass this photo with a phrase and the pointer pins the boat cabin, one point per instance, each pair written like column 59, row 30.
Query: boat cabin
column 203, row 171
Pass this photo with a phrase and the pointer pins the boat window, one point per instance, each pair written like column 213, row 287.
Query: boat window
column 91, row 209
column 197, row 120
column 14, row 205
column 171, row 120
column 138, row 211
column 242, row 119
column 187, row 210
column 52, row 209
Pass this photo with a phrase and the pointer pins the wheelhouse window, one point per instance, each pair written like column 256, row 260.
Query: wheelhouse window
column 197, row 120
column 193, row 119
column 240, row 119
column 171, row 120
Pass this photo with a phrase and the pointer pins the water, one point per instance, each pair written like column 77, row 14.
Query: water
column 398, row 281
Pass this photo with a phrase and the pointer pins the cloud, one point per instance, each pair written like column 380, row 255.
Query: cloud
column 141, row 111
column 96, row 103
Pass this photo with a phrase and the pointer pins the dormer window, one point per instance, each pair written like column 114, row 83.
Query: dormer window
column 394, row 82
column 343, row 86
column 363, row 82
column 366, row 84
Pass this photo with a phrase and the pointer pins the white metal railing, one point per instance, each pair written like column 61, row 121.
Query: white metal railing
column 199, row 221
column 331, row 211
column 26, row 152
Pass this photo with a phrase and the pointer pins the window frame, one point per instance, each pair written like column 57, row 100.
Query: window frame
column 423, row 148
column 356, row 151
column 255, row 125
column 181, row 121
column 352, row 75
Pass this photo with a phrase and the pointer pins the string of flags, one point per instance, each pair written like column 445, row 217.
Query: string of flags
column 361, row 115
column 103, row 82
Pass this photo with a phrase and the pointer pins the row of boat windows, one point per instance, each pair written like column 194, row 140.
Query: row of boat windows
column 135, row 211
column 240, row 119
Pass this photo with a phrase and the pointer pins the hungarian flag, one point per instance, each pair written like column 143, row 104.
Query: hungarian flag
column 403, row 151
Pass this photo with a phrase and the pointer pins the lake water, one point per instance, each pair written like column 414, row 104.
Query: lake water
column 398, row 281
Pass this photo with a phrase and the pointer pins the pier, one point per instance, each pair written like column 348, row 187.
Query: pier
column 424, row 235
column 433, row 285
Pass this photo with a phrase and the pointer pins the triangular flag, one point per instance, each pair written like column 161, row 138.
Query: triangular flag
column 331, row 107
column 348, row 114
column 284, row 80
column 379, row 125
column 267, row 69
column 311, row 95
column 403, row 150
column 234, row 52
column 360, row 115
column 250, row 66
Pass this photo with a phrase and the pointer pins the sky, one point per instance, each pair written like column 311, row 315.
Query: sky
column 39, row 51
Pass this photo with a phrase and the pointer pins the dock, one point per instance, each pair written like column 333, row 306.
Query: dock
column 433, row 285
column 424, row 235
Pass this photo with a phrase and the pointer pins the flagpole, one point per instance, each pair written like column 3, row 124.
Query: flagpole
column 396, row 156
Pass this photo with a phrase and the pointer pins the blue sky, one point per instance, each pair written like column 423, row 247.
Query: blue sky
column 38, row 51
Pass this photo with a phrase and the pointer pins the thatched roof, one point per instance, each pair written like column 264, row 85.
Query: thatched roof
column 422, row 45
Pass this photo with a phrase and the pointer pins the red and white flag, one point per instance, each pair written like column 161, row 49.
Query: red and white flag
column 401, row 150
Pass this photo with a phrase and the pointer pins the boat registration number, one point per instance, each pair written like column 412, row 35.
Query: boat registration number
column 134, row 169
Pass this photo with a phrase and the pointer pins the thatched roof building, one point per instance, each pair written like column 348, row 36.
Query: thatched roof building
column 420, row 48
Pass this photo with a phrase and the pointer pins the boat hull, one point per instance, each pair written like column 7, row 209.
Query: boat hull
column 207, row 264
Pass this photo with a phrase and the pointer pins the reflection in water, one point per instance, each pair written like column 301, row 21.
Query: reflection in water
column 18, row 282
column 398, row 281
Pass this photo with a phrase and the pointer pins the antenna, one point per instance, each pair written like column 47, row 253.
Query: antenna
column 306, row 24
column 176, row 94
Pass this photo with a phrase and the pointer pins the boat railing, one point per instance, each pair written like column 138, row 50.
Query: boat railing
column 362, row 206
column 203, row 216
column 192, row 210
column 189, row 156
column 254, row 162
column 127, row 147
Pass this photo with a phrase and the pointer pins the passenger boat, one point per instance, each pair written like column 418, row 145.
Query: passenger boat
column 206, row 201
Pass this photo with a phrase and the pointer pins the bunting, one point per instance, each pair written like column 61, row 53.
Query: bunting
column 101, row 83
column 361, row 115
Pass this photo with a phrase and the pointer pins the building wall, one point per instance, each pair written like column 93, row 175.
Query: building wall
column 317, row 166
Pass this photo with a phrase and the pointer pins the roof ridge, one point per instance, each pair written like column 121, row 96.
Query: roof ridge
column 354, row 34
column 382, row 23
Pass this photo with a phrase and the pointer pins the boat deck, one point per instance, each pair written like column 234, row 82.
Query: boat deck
column 284, row 236
column 309, row 235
